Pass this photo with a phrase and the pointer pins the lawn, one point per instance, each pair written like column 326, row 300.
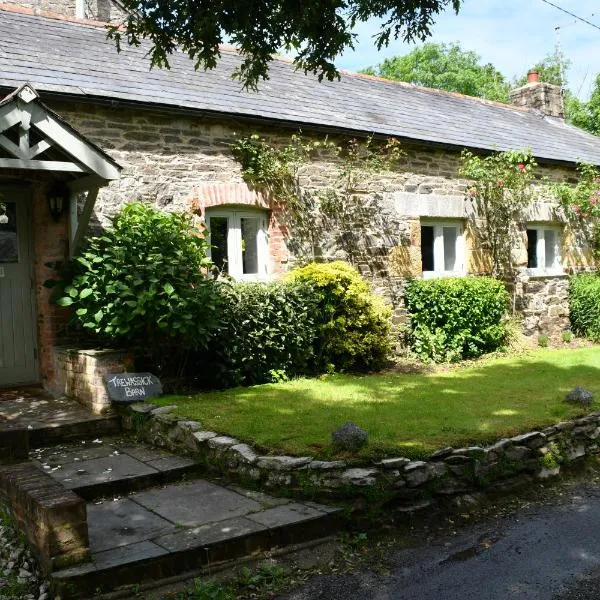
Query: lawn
column 404, row 414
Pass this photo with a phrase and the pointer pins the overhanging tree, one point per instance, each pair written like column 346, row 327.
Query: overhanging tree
column 316, row 32
column 446, row 67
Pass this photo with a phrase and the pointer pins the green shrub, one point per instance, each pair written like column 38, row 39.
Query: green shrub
column 584, row 305
column 142, row 283
column 567, row 336
column 458, row 317
column 266, row 334
column 543, row 340
column 353, row 323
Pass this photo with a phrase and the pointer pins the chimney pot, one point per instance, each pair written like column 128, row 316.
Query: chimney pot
column 533, row 76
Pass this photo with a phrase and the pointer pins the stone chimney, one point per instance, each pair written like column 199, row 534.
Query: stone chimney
column 544, row 97
column 109, row 11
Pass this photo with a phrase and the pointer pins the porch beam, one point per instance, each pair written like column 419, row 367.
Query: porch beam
column 81, row 151
column 83, row 220
column 24, row 142
column 11, row 147
column 10, row 115
column 40, row 165
column 39, row 148
column 83, row 184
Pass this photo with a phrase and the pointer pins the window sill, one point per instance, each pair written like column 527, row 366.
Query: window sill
column 442, row 274
column 538, row 274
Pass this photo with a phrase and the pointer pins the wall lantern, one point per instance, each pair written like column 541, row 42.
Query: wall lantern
column 58, row 200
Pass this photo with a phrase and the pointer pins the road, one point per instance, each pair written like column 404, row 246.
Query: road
column 548, row 549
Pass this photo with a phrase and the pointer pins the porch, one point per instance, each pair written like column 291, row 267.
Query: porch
column 49, row 180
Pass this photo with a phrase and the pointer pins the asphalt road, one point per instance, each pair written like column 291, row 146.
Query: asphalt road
column 548, row 550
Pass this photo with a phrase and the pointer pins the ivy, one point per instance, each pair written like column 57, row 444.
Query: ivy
column 502, row 188
column 345, row 207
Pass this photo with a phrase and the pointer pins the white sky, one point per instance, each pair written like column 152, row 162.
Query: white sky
column 511, row 34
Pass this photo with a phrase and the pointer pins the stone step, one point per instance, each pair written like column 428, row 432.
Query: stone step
column 31, row 418
column 163, row 532
column 110, row 466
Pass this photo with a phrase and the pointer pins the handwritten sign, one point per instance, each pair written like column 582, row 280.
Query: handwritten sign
column 132, row 387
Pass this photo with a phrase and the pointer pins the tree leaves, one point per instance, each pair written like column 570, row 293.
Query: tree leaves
column 317, row 31
column 148, row 269
column 446, row 67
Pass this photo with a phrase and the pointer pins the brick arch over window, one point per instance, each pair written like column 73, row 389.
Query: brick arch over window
column 232, row 195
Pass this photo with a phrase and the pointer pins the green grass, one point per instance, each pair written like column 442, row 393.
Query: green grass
column 404, row 414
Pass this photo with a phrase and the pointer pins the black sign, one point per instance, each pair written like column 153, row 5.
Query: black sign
column 132, row 387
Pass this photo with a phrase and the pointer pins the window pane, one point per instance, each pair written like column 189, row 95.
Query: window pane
column 9, row 241
column 250, row 245
column 218, row 240
column 550, row 245
column 427, row 248
column 532, row 237
column 450, row 235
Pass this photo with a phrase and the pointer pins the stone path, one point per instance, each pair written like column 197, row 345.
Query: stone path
column 30, row 417
column 149, row 515
column 168, row 530
column 108, row 466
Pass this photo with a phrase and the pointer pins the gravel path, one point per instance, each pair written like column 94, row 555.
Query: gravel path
column 20, row 578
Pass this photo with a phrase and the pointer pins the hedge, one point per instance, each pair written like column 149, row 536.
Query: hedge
column 456, row 318
column 584, row 305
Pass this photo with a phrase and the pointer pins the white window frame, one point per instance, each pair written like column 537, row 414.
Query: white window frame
column 235, row 265
column 438, row 248
column 540, row 250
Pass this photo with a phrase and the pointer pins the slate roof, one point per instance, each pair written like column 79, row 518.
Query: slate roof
column 75, row 59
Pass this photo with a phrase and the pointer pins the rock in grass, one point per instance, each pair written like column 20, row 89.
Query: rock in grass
column 579, row 396
column 349, row 437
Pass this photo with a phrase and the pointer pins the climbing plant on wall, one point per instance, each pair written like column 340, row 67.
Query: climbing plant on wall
column 342, row 207
column 581, row 204
column 502, row 188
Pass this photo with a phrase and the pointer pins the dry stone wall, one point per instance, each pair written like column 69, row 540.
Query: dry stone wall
column 169, row 159
column 399, row 482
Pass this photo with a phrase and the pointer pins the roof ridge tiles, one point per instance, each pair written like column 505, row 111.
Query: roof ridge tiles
column 279, row 58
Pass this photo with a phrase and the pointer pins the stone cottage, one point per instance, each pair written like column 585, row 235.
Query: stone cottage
column 84, row 130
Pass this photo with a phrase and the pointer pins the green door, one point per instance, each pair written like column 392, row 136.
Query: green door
column 18, row 357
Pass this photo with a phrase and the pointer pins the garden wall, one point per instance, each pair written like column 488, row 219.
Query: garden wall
column 405, row 484
column 79, row 374
column 544, row 304
column 179, row 162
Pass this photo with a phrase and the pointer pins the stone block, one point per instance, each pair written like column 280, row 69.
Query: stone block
column 283, row 463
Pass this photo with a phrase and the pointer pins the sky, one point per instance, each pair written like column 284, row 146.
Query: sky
column 511, row 34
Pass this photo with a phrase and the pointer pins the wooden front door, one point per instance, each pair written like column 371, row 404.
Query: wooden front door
column 18, row 357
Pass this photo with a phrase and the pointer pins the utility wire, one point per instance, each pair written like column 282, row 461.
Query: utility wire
column 572, row 14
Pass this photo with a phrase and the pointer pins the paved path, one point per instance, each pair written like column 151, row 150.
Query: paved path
column 546, row 552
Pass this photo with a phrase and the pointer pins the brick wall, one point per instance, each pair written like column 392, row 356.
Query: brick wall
column 79, row 374
column 53, row 519
column 51, row 250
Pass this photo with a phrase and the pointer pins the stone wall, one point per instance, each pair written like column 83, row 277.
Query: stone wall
column 544, row 304
column 179, row 162
column 398, row 482
column 79, row 374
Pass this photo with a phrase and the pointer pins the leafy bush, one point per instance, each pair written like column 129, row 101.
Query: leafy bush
column 353, row 323
column 266, row 334
column 584, row 305
column 142, row 282
column 543, row 340
column 458, row 317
